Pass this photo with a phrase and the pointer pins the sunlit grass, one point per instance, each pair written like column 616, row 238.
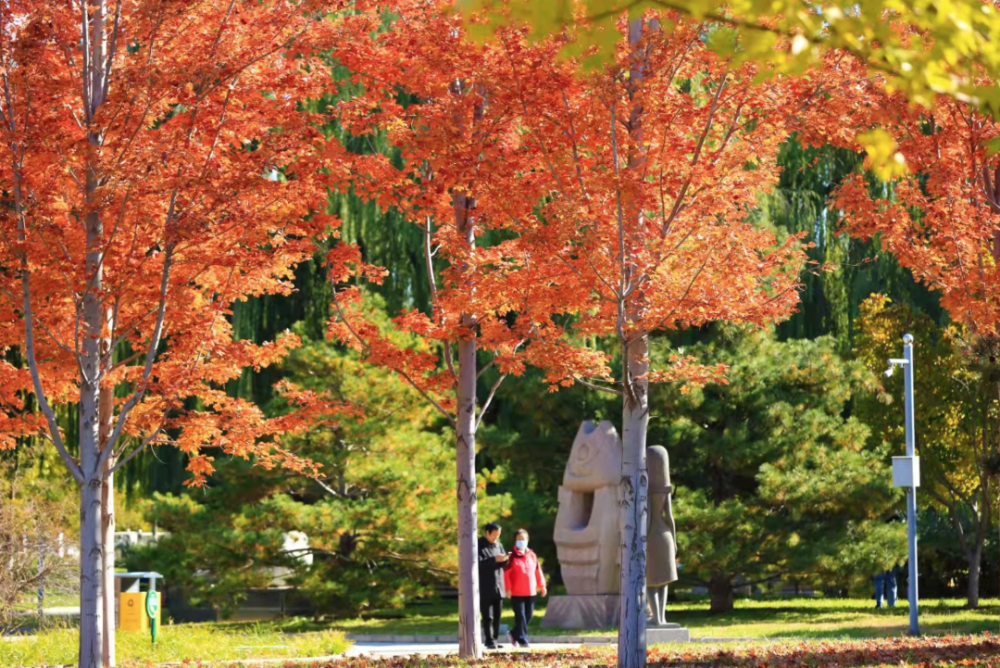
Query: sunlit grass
column 179, row 642
column 786, row 618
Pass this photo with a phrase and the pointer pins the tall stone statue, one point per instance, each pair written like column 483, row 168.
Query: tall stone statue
column 661, row 543
column 586, row 528
column 586, row 534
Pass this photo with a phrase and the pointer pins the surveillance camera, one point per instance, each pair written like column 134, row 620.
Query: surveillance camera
column 888, row 372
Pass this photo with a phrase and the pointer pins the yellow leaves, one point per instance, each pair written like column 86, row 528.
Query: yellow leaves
column 883, row 158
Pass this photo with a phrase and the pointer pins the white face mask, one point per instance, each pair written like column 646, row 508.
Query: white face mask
column 521, row 544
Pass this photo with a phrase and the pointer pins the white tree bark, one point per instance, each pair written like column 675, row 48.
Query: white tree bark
column 108, row 522
column 469, row 642
column 91, row 368
column 91, row 565
column 92, row 572
column 634, row 487
column 634, row 504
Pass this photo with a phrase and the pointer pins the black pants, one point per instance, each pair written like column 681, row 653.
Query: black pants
column 489, row 612
column 524, row 608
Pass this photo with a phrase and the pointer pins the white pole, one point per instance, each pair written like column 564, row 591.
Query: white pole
column 911, row 493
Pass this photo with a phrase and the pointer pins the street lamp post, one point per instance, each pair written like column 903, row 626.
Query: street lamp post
column 906, row 474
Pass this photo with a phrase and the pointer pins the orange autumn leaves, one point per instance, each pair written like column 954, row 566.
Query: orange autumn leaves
column 591, row 194
column 939, row 219
column 204, row 169
column 560, row 211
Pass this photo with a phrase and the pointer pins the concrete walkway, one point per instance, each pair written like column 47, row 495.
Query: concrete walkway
column 389, row 649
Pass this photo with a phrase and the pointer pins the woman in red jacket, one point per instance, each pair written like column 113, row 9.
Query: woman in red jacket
column 523, row 580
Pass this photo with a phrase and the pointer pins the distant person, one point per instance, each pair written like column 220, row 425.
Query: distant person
column 885, row 585
column 523, row 580
column 492, row 559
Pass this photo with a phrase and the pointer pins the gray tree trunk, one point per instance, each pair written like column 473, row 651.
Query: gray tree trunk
column 635, row 506
column 975, row 560
column 634, row 486
column 469, row 644
column 469, row 641
column 92, row 574
column 91, row 497
column 91, row 564
column 720, row 591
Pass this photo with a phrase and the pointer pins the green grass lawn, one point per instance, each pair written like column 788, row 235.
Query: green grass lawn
column 180, row 642
column 794, row 618
column 29, row 603
column 790, row 620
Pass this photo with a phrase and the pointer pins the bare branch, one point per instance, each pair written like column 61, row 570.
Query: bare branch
column 489, row 400
column 154, row 344
column 432, row 282
column 601, row 388
column 139, row 448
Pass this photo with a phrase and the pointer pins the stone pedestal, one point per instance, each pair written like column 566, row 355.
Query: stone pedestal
column 666, row 633
column 595, row 611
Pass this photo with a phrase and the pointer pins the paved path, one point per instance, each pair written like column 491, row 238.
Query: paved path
column 379, row 649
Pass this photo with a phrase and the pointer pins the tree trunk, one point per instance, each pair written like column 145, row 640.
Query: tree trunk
column 469, row 641
column 91, row 531
column 91, row 570
column 975, row 564
column 634, row 486
column 720, row 589
column 469, row 644
column 634, row 504
column 92, row 573
column 108, row 531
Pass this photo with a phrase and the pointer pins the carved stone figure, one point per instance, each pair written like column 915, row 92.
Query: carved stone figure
column 586, row 527
column 661, row 543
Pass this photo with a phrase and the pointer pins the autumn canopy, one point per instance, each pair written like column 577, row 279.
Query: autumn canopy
column 580, row 183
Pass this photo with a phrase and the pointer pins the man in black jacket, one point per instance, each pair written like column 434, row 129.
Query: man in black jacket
column 492, row 558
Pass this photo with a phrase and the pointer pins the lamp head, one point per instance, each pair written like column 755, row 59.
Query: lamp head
column 888, row 372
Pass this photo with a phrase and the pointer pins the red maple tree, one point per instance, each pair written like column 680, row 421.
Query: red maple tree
column 939, row 218
column 655, row 164
column 156, row 166
column 468, row 179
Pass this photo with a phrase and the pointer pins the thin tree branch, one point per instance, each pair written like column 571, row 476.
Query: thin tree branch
column 587, row 383
column 139, row 448
column 489, row 400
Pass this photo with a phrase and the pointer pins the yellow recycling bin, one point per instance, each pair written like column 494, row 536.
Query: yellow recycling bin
column 132, row 615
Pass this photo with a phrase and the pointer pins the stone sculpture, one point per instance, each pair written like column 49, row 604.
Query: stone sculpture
column 588, row 535
column 586, row 528
column 661, row 544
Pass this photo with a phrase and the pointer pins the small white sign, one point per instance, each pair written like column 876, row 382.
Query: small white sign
column 906, row 471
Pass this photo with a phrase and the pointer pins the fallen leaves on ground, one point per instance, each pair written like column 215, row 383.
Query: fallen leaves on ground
column 981, row 650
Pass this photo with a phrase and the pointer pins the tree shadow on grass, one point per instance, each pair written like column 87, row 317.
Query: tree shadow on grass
column 890, row 620
column 971, row 651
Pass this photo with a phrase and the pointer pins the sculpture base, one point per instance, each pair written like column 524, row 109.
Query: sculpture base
column 596, row 611
column 601, row 612
column 666, row 633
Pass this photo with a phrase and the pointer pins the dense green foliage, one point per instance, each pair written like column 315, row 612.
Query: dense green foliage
column 773, row 481
column 379, row 522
